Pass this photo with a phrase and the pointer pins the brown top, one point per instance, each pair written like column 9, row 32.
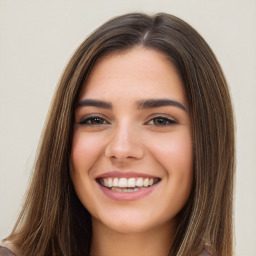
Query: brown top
column 4, row 251
column 203, row 253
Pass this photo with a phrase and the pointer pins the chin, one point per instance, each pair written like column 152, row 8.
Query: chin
column 128, row 227
column 131, row 222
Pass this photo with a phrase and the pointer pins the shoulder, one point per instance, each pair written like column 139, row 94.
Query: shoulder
column 4, row 251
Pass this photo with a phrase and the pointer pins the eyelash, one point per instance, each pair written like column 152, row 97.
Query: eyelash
column 162, row 121
column 89, row 119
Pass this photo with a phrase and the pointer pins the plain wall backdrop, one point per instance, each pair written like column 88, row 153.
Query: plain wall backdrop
column 37, row 39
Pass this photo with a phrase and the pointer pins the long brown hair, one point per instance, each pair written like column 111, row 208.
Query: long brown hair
column 54, row 222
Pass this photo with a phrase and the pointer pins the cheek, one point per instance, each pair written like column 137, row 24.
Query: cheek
column 175, row 154
column 85, row 150
column 181, row 152
column 83, row 155
column 174, row 151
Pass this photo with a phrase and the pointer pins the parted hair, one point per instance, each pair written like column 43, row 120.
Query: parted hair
column 54, row 222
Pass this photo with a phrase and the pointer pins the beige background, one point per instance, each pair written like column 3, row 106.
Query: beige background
column 38, row 37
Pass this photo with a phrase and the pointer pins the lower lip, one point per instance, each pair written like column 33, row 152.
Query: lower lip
column 127, row 196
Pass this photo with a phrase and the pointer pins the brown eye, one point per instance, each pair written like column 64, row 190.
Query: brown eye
column 161, row 121
column 94, row 121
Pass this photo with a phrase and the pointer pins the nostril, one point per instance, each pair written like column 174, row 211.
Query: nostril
column 120, row 152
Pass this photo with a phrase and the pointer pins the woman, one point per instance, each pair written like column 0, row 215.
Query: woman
column 137, row 156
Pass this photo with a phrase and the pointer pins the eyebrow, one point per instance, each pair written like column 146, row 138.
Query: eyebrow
column 95, row 103
column 141, row 104
column 156, row 103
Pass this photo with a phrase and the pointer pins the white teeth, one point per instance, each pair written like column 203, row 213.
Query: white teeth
column 117, row 189
column 125, row 190
column 122, row 183
column 110, row 182
column 135, row 183
column 146, row 182
column 139, row 182
column 131, row 183
column 115, row 182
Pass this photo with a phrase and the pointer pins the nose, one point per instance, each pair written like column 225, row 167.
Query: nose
column 124, row 144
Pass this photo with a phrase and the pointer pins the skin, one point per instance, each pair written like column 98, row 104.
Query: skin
column 153, row 141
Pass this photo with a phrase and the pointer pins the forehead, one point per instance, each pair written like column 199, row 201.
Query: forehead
column 137, row 72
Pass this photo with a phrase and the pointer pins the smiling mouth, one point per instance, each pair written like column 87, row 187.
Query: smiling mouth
column 127, row 185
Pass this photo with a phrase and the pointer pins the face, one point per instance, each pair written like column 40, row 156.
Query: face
column 131, row 160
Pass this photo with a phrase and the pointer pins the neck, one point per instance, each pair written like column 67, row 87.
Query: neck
column 107, row 242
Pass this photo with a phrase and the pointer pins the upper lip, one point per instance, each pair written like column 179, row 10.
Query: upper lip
column 123, row 174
